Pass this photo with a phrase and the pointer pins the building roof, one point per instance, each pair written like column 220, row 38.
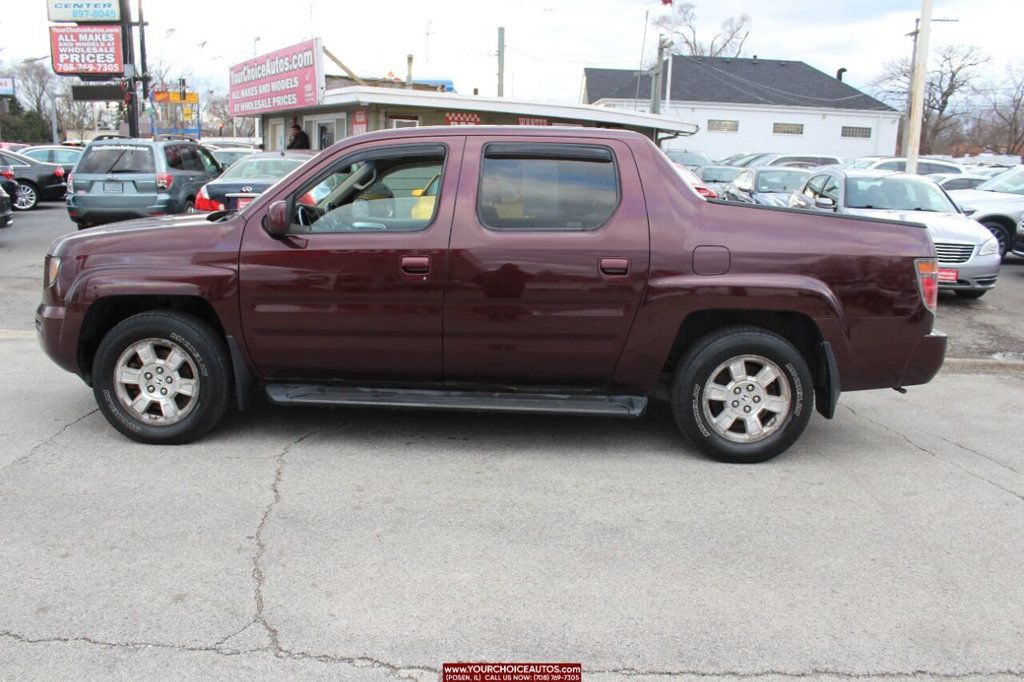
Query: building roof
column 729, row 80
column 451, row 101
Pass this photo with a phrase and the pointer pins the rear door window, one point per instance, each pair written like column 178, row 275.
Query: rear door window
column 119, row 158
column 191, row 161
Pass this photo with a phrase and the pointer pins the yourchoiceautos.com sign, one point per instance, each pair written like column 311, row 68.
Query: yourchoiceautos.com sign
column 79, row 50
column 288, row 78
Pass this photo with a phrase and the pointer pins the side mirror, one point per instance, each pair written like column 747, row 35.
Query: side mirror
column 277, row 222
column 825, row 203
column 417, row 192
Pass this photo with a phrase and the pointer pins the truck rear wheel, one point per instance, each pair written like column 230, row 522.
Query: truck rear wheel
column 162, row 377
column 742, row 395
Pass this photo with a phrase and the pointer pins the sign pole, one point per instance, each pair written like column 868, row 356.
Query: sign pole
column 128, row 50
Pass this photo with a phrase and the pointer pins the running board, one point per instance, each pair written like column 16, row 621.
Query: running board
column 475, row 401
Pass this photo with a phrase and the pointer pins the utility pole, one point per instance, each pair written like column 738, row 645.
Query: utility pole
column 920, row 67
column 144, row 74
column 656, row 75
column 913, row 58
column 131, row 99
column 668, row 78
column 501, row 61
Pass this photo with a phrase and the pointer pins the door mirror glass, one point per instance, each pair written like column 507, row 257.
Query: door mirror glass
column 276, row 221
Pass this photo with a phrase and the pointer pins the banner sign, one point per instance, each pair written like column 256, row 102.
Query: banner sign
column 455, row 118
column 6, row 86
column 83, row 11
column 95, row 50
column 174, row 97
column 360, row 121
column 290, row 78
column 533, row 121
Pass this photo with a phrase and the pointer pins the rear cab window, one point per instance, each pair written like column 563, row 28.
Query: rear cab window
column 547, row 186
column 117, row 158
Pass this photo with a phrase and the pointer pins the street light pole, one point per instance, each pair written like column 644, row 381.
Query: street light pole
column 920, row 67
column 913, row 58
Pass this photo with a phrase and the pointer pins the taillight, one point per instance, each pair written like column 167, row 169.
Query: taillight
column 205, row 203
column 59, row 172
column 928, row 281
column 164, row 180
column 7, row 172
column 71, row 183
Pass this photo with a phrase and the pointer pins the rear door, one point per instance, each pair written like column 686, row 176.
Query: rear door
column 549, row 258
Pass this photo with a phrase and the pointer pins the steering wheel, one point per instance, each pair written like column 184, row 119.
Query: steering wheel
column 306, row 215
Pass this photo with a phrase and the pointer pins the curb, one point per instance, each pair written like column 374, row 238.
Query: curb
column 981, row 366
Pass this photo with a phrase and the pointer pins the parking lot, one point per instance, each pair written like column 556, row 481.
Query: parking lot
column 374, row 544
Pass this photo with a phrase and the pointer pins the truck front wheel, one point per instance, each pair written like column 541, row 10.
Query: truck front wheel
column 742, row 395
column 162, row 377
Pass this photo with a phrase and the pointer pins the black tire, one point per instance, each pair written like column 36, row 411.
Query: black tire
column 190, row 206
column 971, row 293
column 1000, row 232
column 27, row 201
column 201, row 345
column 695, row 369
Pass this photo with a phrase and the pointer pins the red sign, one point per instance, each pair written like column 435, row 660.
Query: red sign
column 948, row 275
column 454, row 118
column 360, row 121
column 533, row 121
column 96, row 50
column 511, row 672
column 289, row 78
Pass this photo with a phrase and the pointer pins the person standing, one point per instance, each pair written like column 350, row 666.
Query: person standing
column 299, row 139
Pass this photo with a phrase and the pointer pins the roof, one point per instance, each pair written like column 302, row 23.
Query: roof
column 365, row 95
column 727, row 80
column 513, row 131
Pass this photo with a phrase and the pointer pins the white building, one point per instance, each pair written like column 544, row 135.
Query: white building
column 755, row 105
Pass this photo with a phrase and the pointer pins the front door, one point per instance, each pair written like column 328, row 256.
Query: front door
column 549, row 258
column 354, row 292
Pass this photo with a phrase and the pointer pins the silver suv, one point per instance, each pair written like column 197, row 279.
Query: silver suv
column 124, row 178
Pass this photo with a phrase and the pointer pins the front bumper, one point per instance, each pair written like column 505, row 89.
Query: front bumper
column 980, row 273
column 926, row 360
column 50, row 327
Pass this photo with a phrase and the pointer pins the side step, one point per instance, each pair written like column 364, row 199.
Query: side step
column 475, row 401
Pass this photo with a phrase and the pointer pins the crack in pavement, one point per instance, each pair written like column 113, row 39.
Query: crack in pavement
column 32, row 451
column 925, row 450
column 815, row 672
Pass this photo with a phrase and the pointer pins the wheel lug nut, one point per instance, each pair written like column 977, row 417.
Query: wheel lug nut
column 149, row 388
column 735, row 403
column 757, row 399
column 736, row 390
column 170, row 380
column 159, row 370
column 750, row 387
column 747, row 408
column 163, row 391
column 149, row 375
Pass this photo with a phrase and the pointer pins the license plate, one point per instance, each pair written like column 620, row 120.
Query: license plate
column 243, row 202
column 948, row 275
column 113, row 187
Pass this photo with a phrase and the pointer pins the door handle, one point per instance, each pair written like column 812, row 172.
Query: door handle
column 416, row 265
column 615, row 266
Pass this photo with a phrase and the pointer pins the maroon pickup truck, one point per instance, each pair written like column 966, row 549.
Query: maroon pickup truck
column 566, row 271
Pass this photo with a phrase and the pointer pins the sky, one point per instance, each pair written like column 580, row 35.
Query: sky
column 548, row 42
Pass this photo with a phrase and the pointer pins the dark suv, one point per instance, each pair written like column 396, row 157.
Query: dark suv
column 124, row 178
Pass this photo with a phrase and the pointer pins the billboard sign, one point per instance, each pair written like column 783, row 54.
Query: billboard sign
column 86, row 50
column 289, row 78
column 6, row 86
column 83, row 11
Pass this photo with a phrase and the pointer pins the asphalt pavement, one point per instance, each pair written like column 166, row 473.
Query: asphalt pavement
column 369, row 545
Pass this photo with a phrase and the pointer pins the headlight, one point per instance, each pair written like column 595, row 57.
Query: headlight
column 52, row 270
column 990, row 247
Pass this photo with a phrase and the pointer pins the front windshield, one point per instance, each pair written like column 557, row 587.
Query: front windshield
column 719, row 174
column 780, row 180
column 897, row 193
column 252, row 169
column 860, row 163
column 1012, row 181
column 688, row 158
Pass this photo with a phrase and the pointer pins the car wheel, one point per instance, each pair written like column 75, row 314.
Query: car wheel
column 162, row 377
column 190, row 206
column 1001, row 234
column 742, row 395
column 27, row 197
column 971, row 293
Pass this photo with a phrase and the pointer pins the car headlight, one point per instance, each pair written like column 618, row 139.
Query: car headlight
column 989, row 247
column 52, row 270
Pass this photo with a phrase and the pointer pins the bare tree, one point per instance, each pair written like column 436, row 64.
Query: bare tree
column 682, row 26
column 37, row 83
column 217, row 112
column 1004, row 122
column 948, row 89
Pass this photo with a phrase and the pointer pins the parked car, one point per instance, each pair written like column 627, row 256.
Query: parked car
column 731, row 159
column 8, row 182
column 765, row 185
column 793, row 160
column 12, row 146
column 6, row 209
column 124, row 178
column 54, row 154
column 226, row 157
column 562, row 270
column 968, row 253
column 246, row 179
column 925, row 165
column 997, row 203
column 989, row 171
column 695, row 182
column 37, row 181
column 718, row 177
column 951, row 181
column 689, row 158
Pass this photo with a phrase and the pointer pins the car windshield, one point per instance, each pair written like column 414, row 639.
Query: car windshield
column 1012, row 181
column 719, row 174
column 272, row 168
column 897, row 193
column 780, row 180
column 861, row 163
column 120, row 158
column 688, row 158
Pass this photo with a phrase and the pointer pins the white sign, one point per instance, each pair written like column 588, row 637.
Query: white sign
column 6, row 86
column 83, row 11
